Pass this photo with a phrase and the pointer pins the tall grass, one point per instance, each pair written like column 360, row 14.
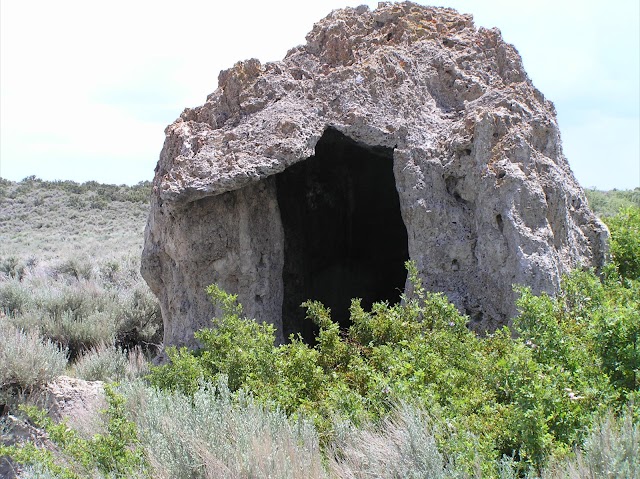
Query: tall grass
column 26, row 361
column 611, row 450
column 402, row 445
column 70, row 283
column 213, row 435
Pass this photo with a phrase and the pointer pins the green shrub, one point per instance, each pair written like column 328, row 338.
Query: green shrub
column 625, row 242
column 528, row 398
column 14, row 297
column 609, row 203
column 110, row 363
column 101, row 363
column 26, row 361
column 418, row 350
column 583, row 347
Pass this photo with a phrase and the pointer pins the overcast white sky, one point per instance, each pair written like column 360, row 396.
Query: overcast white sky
column 87, row 88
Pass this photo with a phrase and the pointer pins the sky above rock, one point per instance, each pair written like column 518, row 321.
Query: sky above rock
column 87, row 88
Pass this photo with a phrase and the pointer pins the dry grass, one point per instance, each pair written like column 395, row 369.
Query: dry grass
column 402, row 446
column 55, row 221
column 212, row 435
column 26, row 361
column 611, row 451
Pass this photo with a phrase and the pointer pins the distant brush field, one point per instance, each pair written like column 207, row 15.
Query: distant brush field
column 47, row 221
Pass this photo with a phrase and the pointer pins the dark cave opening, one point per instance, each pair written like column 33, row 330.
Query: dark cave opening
column 344, row 234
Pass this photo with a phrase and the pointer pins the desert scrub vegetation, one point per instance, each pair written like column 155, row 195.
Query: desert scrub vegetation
column 511, row 402
column 625, row 241
column 58, row 220
column 80, row 308
column 530, row 398
column 27, row 361
column 115, row 453
column 71, row 296
column 609, row 203
column 406, row 391
column 214, row 433
column 111, row 363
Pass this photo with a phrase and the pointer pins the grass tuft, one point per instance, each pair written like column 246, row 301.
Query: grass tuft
column 213, row 435
column 26, row 361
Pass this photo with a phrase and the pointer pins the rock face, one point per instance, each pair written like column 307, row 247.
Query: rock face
column 398, row 133
column 73, row 400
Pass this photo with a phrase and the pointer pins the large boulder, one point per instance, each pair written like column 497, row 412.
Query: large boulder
column 399, row 133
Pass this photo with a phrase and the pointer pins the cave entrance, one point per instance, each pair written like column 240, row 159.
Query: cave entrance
column 344, row 234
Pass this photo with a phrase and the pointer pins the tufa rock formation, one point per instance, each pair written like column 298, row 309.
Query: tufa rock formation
column 404, row 132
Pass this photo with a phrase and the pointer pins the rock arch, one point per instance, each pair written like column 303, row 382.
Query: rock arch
column 344, row 236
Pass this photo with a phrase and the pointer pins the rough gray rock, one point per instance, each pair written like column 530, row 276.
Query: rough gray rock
column 487, row 197
column 73, row 400
column 76, row 401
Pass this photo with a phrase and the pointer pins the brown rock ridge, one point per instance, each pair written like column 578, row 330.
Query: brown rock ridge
column 403, row 132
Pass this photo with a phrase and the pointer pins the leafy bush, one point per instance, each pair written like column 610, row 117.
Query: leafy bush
column 387, row 354
column 26, row 361
column 115, row 454
column 609, row 203
column 625, row 242
column 529, row 397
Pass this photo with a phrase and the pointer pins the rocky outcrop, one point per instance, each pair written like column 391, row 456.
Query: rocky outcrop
column 73, row 400
column 278, row 186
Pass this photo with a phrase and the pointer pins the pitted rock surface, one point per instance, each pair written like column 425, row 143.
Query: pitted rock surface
column 486, row 194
